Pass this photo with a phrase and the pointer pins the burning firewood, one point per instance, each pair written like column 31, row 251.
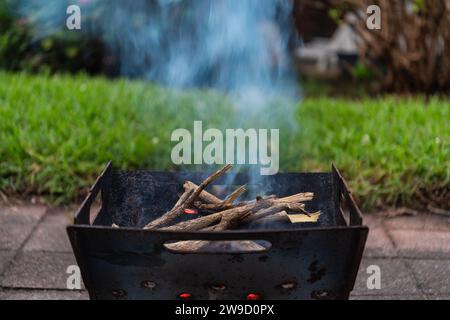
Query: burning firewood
column 178, row 209
column 226, row 214
column 232, row 215
column 243, row 214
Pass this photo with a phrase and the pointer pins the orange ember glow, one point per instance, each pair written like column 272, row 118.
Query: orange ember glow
column 190, row 211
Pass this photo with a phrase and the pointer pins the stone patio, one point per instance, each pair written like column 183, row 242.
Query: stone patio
column 413, row 253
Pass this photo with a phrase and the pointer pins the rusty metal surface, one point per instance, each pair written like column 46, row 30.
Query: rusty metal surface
column 131, row 263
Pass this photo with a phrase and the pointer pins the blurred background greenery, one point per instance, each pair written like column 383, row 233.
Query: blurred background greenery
column 64, row 110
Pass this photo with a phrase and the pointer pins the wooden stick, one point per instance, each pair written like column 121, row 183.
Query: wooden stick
column 299, row 197
column 276, row 217
column 208, row 180
column 187, row 192
column 203, row 222
column 225, row 204
column 277, row 207
column 232, row 220
column 217, row 207
column 196, row 224
column 205, row 196
column 206, row 221
column 179, row 210
column 233, row 196
column 264, row 212
column 227, row 222
column 210, row 206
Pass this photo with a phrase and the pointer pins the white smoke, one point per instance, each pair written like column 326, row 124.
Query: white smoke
column 240, row 47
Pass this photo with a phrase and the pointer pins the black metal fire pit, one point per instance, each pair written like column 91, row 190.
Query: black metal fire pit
column 311, row 261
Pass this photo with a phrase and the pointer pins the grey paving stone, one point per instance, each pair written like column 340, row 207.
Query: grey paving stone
column 373, row 220
column 433, row 276
column 5, row 258
column 23, row 214
column 27, row 294
column 396, row 279
column 16, row 224
column 378, row 244
column 38, row 270
column 428, row 222
column 421, row 243
column 13, row 235
column 51, row 234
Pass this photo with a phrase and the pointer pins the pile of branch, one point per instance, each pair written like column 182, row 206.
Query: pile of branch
column 220, row 215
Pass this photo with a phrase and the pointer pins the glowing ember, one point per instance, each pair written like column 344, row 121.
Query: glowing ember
column 190, row 211
column 253, row 296
column 185, row 295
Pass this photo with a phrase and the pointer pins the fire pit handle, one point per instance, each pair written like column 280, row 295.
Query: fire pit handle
column 344, row 194
column 83, row 215
column 218, row 246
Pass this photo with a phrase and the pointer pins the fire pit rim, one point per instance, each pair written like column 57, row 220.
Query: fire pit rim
column 225, row 232
column 355, row 216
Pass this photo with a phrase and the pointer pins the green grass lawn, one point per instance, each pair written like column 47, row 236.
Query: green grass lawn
column 56, row 134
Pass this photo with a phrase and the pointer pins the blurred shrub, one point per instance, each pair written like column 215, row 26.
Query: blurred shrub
column 361, row 72
column 58, row 51
column 411, row 52
column 13, row 39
